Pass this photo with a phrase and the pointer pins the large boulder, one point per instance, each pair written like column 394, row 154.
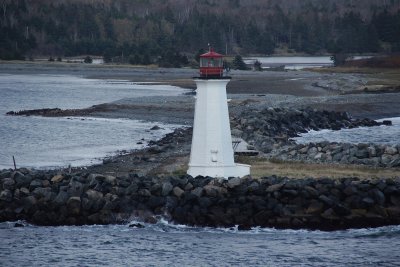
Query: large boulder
column 75, row 188
column 166, row 188
column 6, row 195
column 8, row 183
column 74, row 205
column 57, row 178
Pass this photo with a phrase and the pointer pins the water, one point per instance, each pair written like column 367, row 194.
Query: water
column 378, row 135
column 292, row 63
column 57, row 142
column 170, row 245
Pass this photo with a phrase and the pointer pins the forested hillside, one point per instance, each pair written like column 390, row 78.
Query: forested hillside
column 146, row 31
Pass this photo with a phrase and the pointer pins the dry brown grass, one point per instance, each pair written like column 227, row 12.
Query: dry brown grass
column 367, row 70
column 262, row 167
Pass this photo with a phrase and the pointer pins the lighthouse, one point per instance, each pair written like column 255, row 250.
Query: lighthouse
column 212, row 152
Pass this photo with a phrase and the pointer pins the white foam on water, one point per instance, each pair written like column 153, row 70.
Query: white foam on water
column 377, row 134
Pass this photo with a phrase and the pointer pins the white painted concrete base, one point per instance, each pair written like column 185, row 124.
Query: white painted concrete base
column 237, row 170
column 211, row 152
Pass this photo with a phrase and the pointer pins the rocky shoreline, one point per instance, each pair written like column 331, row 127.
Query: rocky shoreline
column 387, row 156
column 61, row 198
column 271, row 128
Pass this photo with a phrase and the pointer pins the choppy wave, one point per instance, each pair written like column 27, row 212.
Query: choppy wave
column 166, row 244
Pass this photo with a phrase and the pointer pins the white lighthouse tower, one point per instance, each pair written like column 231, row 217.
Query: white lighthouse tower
column 212, row 153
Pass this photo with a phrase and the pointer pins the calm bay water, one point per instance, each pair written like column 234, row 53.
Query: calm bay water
column 57, row 142
column 168, row 245
column 378, row 135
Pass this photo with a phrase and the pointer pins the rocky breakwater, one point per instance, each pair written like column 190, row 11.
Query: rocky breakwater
column 272, row 128
column 53, row 198
column 362, row 154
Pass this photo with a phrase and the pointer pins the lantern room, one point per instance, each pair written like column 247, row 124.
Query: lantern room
column 211, row 65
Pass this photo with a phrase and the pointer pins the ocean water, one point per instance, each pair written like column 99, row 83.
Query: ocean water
column 164, row 244
column 58, row 142
column 377, row 134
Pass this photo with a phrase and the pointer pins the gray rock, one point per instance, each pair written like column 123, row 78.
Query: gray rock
column 368, row 201
column 75, row 188
column 5, row 174
column 93, row 194
column 371, row 151
column 35, row 183
column 274, row 188
column 16, row 174
column 6, row 195
column 155, row 127
column 61, row 198
column 390, row 150
column 198, row 191
column 204, row 202
column 312, row 152
column 341, row 210
column 8, row 183
column 318, row 156
column 42, row 193
column 23, row 191
column 57, row 178
column 362, row 153
column 312, row 191
column 214, row 191
column 350, row 190
column 395, row 200
column 132, row 189
column 254, row 186
column 327, row 200
column 315, row 207
column 95, row 178
column 303, row 150
column 337, row 157
column 74, row 205
column 178, row 192
column 394, row 163
column 236, row 132
column 166, row 188
column 110, row 180
column 188, row 187
column 123, row 183
column 144, row 192
column 29, row 202
column 378, row 196
column 233, row 182
column 386, row 159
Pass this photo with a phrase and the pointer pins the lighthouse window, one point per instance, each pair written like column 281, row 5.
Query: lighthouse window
column 211, row 63
column 204, row 62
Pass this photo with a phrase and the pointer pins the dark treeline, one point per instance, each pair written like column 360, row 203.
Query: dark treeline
column 164, row 31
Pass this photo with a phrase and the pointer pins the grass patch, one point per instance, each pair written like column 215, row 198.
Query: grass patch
column 266, row 167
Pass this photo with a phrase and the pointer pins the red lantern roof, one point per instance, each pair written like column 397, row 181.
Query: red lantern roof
column 212, row 54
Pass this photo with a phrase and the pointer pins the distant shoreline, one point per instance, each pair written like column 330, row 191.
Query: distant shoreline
column 247, row 90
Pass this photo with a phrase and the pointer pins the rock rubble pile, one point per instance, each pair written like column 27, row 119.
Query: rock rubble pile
column 55, row 198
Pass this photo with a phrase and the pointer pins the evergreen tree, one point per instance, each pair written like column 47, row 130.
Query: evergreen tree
column 238, row 63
